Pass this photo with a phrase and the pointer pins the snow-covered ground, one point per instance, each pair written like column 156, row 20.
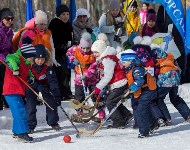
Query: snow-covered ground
column 173, row 137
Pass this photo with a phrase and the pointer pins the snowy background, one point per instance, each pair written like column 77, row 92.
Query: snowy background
column 174, row 137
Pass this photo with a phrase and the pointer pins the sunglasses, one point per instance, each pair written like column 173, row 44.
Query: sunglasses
column 82, row 16
column 9, row 18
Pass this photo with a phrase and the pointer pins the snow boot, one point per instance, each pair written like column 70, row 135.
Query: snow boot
column 143, row 135
column 56, row 127
column 161, row 122
column 31, row 131
column 25, row 138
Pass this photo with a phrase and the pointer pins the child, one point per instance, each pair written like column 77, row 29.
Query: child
column 142, row 86
column 114, row 76
column 14, row 89
column 143, row 13
column 46, row 83
column 150, row 27
column 82, row 57
column 168, row 80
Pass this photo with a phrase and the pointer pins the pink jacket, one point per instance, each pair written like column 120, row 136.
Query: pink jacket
column 91, row 73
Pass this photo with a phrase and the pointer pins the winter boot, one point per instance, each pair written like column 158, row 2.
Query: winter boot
column 154, row 127
column 143, row 135
column 25, row 138
column 56, row 127
column 169, row 122
column 102, row 114
column 31, row 131
column 115, row 127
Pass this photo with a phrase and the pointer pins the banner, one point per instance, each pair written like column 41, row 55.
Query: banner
column 188, row 25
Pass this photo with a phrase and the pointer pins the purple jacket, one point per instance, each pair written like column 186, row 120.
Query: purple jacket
column 6, row 35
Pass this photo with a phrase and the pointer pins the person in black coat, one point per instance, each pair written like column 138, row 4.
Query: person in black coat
column 46, row 83
column 163, row 20
column 62, row 30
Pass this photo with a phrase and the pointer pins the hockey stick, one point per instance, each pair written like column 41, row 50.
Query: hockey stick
column 92, row 132
column 23, row 81
column 69, row 120
column 77, row 106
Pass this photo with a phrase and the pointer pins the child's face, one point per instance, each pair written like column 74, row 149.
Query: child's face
column 41, row 26
column 126, row 64
column 151, row 23
column 31, row 60
column 115, row 12
column 96, row 54
column 144, row 7
column 64, row 17
column 86, row 49
column 39, row 61
column 133, row 9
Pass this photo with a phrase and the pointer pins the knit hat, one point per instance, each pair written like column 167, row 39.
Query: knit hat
column 41, row 17
column 114, row 4
column 134, row 4
column 103, row 37
column 27, row 48
column 86, row 40
column 151, row 15
column 60, row 9
column 5, row 12
column 41, row 51
column 82, row 12
column 128, row 55
column 99, row 46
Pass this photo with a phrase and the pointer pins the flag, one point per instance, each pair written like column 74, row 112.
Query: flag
column 29, row 12
column 58, row 2
column 179, row 12
column 72, row 7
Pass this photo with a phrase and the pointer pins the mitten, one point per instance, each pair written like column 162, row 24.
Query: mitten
column 97, row 90
column 16, row 73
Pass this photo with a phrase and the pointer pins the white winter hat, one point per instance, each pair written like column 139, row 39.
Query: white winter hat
column 82, row 11
column 86, row 40
column 41, row 17
column 99, row 46
column 137, row 40
column 103, row 37
column 146, row 40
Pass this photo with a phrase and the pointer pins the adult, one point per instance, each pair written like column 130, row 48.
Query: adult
column 111, row 22
column 6, row 46
column 82, row 23
column 62, row 30
column 143, row 12
column 39, row 33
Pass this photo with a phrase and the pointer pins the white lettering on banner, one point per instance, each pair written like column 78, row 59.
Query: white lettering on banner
column 176, row 13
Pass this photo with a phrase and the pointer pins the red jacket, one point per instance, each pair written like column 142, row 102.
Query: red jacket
column 12, row 85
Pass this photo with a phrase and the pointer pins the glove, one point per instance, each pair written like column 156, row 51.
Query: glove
column 89, row 30
column 83, row 77
column 16, row 73
column 76, row 62
column 119, row 25
column 97, row 90
column 117, row 38
column 55, row 63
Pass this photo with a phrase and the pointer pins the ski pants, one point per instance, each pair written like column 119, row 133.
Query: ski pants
column 18, row 111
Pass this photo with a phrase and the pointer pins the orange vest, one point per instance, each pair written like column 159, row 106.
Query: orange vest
column 166, row 64
column 85, row 61
column 151, row 83
column 44, row 39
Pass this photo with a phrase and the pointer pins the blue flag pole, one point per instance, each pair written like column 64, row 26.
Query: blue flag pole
column 29, row 12
column 58, row 2
column 72, row 7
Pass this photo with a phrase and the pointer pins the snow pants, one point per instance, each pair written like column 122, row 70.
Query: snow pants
column 18, row 111
column 31, row 101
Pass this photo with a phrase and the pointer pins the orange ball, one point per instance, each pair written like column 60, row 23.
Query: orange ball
column 67, row 139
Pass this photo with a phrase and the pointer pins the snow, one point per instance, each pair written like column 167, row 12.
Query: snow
column 173, row 137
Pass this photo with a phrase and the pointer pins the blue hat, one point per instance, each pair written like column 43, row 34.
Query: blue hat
column 41, row 51
column 128, row 55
